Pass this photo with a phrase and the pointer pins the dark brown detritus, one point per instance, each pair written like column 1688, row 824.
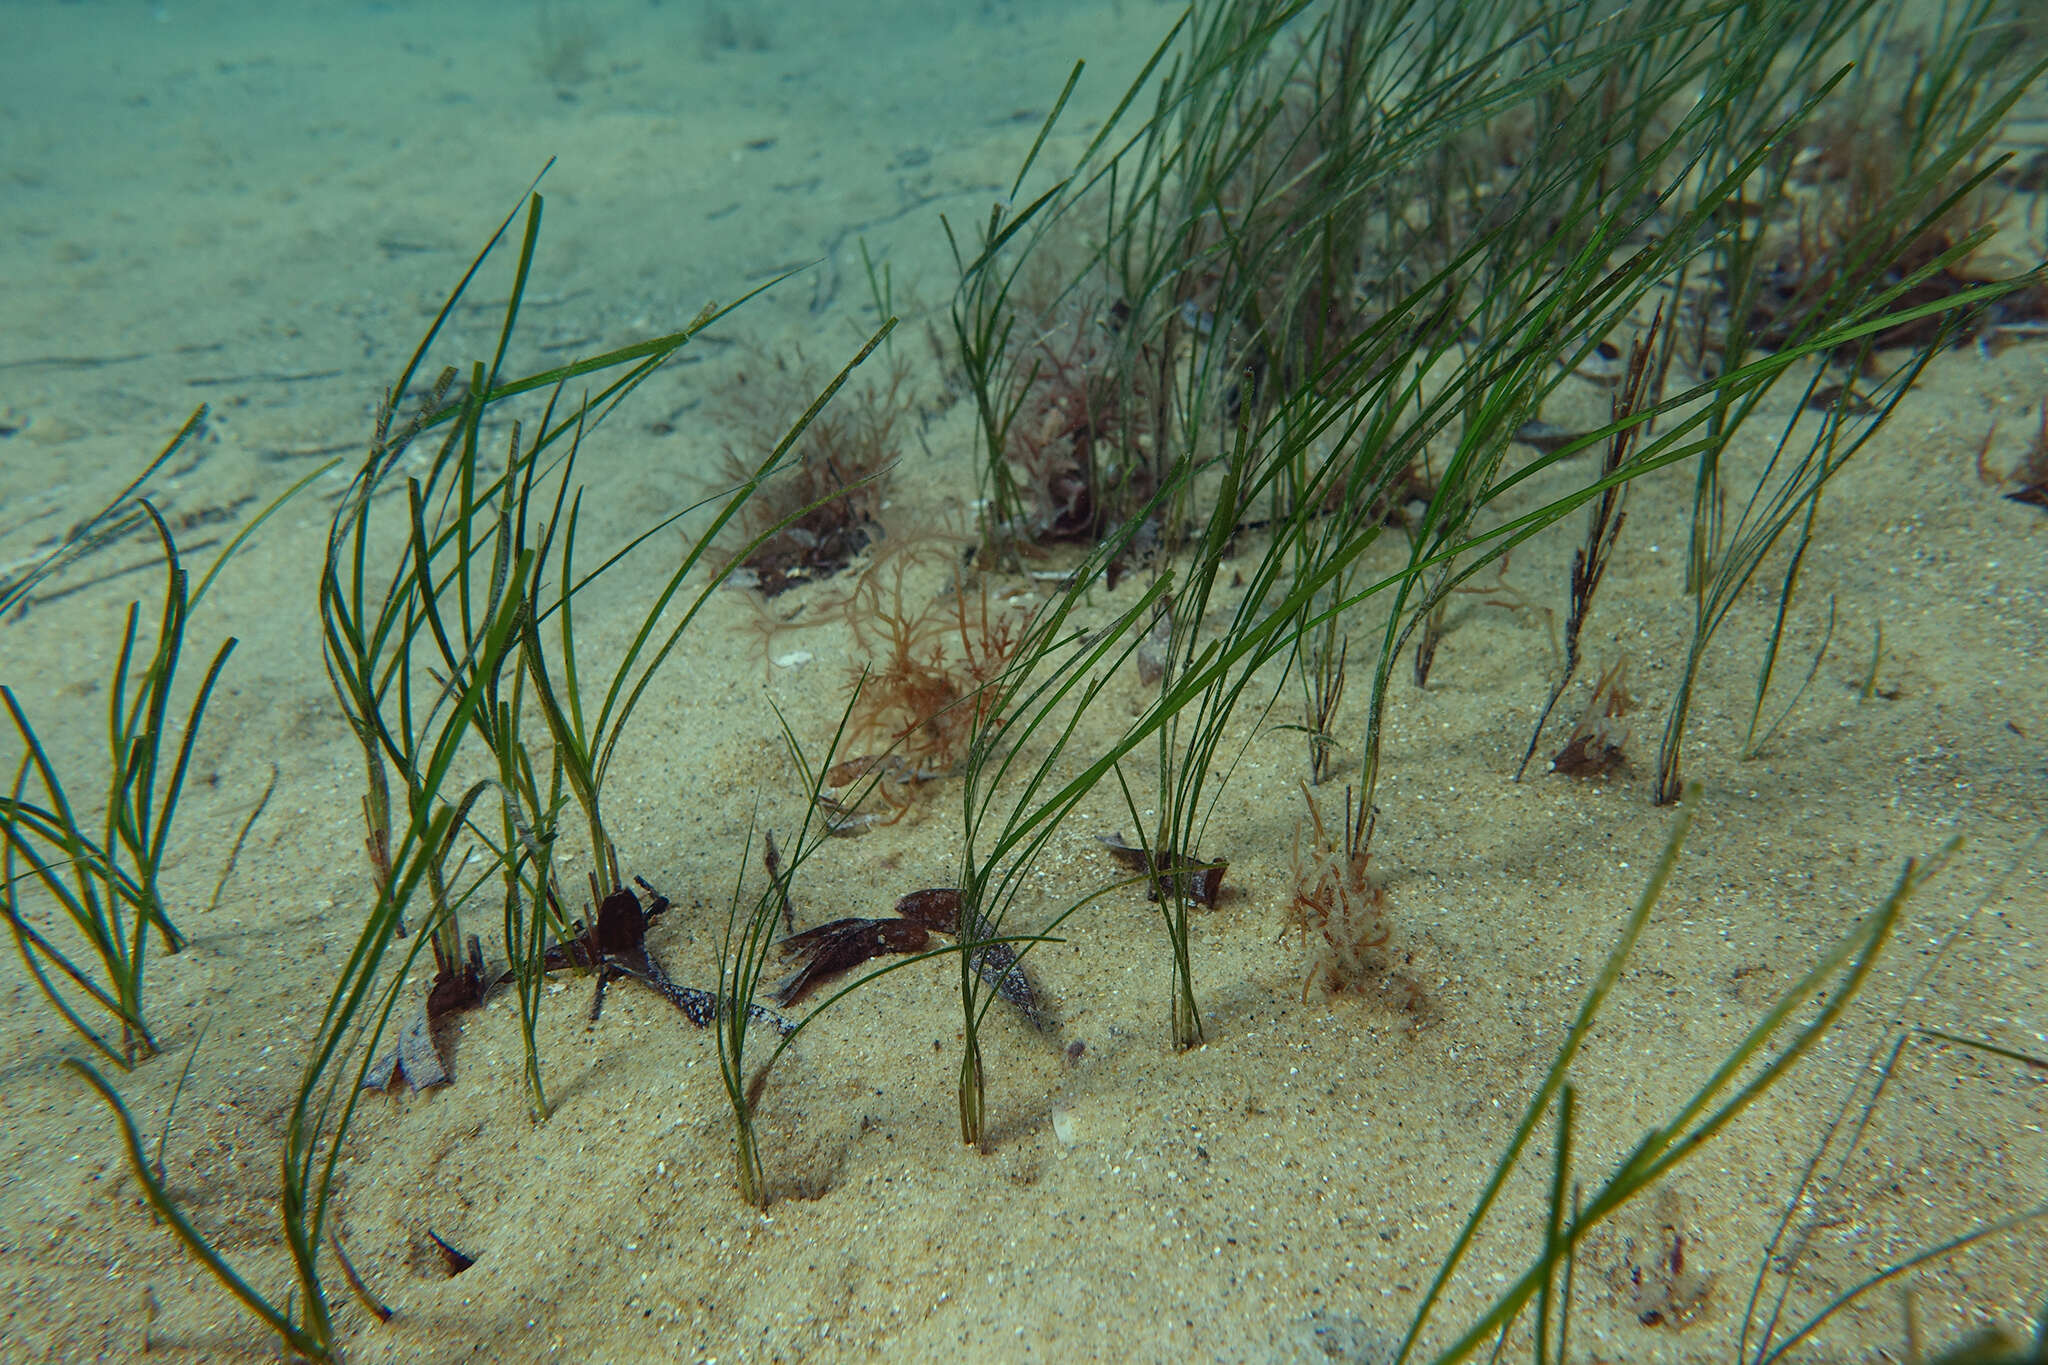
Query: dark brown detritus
column 938, row 909
column 416, row 1052
column 457, row 985
column 1199, row 879
column 1070, row 415
column 455, row 1260
column 1597, row 741
column 2031, row 473
column 839, row 946
column 1849, row 222
column 616, row 946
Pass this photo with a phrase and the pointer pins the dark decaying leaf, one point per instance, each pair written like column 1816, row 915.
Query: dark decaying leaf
column 938, row 909
column 617, row 946
column 1199, row 879
column 416, row 1055
column 837, row 947
column 455, row 1260
column 841, row 945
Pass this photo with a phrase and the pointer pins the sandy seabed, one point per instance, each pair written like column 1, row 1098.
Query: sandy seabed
column 260, row 210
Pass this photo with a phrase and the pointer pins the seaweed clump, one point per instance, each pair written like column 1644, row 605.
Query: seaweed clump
column 1063, row 481
column 824, row 506
column 1336, row 900
column 1855, row 173
column 926, row 688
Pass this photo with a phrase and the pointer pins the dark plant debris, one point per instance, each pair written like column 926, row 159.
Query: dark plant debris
column 616, row 946
column 840, row 945
column 837, row 947
column 938, row 909
column 1199, row 879
column 456, row 1261
column 1850, row 172
column 2031, row 473
column 457, row 985
column 1072, row 418
column 416, row 1055
column 1597, row 742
